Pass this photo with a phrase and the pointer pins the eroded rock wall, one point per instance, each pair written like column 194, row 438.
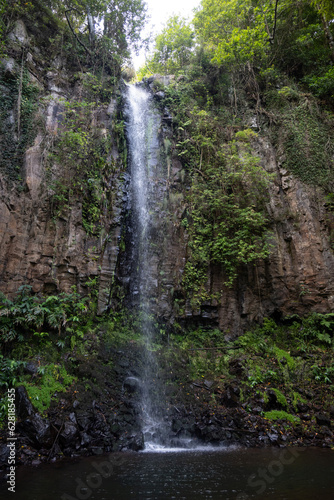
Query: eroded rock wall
column 53, row 252
column 298, row 276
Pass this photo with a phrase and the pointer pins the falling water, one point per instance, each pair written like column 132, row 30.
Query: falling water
column 143, row 123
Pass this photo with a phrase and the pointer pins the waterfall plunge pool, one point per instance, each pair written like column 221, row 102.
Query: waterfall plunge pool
column 228, row 474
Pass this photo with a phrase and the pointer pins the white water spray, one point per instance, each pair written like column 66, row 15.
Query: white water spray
column 143, row 123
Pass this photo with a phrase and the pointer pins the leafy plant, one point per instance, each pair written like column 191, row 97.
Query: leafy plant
column 9, row 371
column 29, row 315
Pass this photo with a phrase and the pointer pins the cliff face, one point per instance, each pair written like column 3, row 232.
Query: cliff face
column 52, row 251
column 297, row 278
column 43, row 242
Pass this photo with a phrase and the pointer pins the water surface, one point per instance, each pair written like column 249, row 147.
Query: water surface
column 301, row 474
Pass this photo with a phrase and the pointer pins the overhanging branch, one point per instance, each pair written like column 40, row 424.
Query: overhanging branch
column 272, row 38
column 75, row 35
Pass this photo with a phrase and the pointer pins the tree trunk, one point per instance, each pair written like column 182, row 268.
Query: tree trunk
column 329, row 35
column 91, row 26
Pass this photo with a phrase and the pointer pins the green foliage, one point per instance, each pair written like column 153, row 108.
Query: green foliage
column 172, row 51
column 122, row 328
column 280, row 397
column 305, row 135
column 52, row 379
column 200, row 338
column 18, row 106
column 282, row 354
column 29, row 314
column 281, row 415
column 99, row 32
column 323, row 373
column 85, row 153
column 297, row 398
column 255, row 340
column 225, row 217
column 9, row 371
column 267, row 33
column 316, row 329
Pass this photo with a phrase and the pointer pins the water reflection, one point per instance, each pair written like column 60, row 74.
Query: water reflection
column 230, row 474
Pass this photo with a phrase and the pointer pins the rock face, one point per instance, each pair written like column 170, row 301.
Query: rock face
column 54, row 253
column 298, row 276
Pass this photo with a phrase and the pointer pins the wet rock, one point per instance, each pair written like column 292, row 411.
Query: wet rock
column 68, row 433
column 159, row 95
column 85, row 439
column 177, row 425
column 4, row 454
column 273, row 402
column 230, row 398
column 208, row 384
column 31, row 368
column 136, row 442
column 97, row 450
column 302, row 407
column 36, row 462
column 323, row 419
column 37, row 430
column 236, row 367
column 132, row 384
column 24, row 408
column 83, row 420
column 273, row 437
column 257, row 410
column 72, row 418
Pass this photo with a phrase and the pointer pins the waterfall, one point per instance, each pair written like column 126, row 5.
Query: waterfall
column 146, row 192
column 142, row 125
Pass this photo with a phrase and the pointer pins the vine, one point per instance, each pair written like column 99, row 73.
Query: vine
column 18, row 107
column 84, row 153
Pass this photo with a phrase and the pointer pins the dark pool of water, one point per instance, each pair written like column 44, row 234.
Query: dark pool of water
column 303, row 474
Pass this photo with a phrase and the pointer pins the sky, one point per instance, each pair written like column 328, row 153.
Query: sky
column 160, row 11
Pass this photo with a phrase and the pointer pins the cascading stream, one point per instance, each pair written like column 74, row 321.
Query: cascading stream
column 143, row 124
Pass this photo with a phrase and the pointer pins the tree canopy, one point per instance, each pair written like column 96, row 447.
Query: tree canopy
column 295, row 37
column 112, row 26
column 172, row 46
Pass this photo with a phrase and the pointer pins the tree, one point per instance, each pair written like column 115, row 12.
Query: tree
column 122, row 22
column 294, row 36
column 173, row 47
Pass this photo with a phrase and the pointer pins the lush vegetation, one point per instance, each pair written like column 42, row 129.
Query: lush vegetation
column 29, row 315
column 241, row 67
column 271, row 38
column 88, row 32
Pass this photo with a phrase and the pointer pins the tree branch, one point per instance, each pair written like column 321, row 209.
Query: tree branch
column 272, row 38
column 75, row 35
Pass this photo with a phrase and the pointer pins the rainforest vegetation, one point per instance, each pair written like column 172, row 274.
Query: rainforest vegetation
column 240, row 68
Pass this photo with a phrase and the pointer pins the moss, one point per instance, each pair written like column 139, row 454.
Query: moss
column 281, row 354
column 305, row 136
column 297, row 398
column 280, row 397
column 53, row 379
column 281, row 415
